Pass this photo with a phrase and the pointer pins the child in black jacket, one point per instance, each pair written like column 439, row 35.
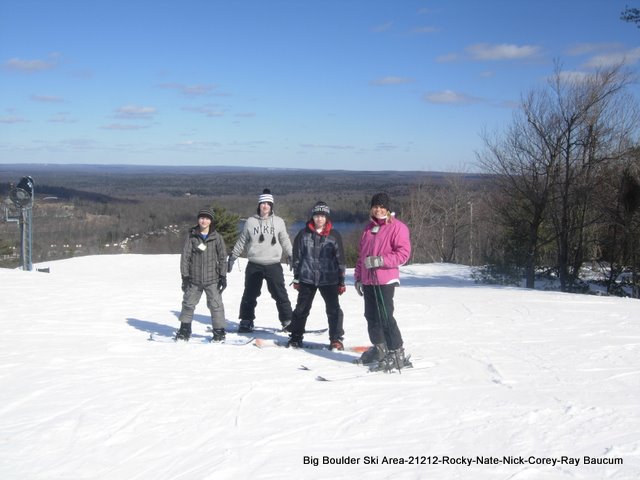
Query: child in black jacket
column 318, row 264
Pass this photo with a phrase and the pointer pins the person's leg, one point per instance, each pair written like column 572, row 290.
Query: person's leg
column 189, row 301
column 253, row 278
column 306, row 294
column 278, row 291
column 335, row 317
column 216, row 307
column 384, row 295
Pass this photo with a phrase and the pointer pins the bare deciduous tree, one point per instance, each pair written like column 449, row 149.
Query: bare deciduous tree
column 439, row 216
column 552, row 157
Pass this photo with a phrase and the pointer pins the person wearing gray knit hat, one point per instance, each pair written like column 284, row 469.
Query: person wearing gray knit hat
column 206, row 212
column 203, row 267
column 263, row 239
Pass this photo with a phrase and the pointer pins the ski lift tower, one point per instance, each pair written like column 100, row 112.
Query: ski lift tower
column 22, row 196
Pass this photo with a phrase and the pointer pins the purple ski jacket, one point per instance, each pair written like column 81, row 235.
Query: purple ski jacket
column 392, row 243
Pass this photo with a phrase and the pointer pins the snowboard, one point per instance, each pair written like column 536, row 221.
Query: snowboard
column 229, row 340
column 272, row 330
column 282, row 343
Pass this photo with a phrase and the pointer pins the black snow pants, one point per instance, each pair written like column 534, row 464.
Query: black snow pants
column 378, row 310
column 306, row 294
column 253, row 277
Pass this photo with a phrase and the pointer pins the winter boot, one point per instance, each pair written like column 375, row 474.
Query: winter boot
column 394, row 360
column 373, row 355
column 336, row 345
column 295, row 341
column 218, row 335
column 246, row 326
column 184, row 333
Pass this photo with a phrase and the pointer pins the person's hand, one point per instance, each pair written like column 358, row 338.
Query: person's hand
column 359, row 288
column 341, row 289
column 373, row 262
column 185, row 284
column 222, row 284
column 230, row 263
column 296, row 284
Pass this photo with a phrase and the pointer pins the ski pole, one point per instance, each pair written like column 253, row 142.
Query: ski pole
column 384, row 317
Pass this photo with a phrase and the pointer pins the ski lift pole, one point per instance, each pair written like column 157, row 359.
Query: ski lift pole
column 22, row 197
column 26, row 238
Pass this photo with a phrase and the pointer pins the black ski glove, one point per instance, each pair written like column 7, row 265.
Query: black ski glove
column 185, row 283
column 222, row 284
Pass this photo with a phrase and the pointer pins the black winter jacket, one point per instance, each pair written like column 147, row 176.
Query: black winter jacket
column 203, row 266
column 318, row 259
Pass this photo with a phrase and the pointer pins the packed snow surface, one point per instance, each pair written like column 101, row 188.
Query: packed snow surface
column 522, row 385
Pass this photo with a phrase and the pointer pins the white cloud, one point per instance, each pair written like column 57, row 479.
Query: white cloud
column 62, row 117
column 207, row 110
column 327, row 146
column 449, row 57
column 449, row 97
column 573, row 76
column 79, row 143
column 11, row 119
column 196, row 145
column 382, row 28
column 32, row 66
column 504, row 51
column 425, row 30
column 121, row 126
column 391, row 80
column 47, row 98
column 629, row 57
column 385, row 147
column 135, row 111
column 590, row 48
column 190, row 90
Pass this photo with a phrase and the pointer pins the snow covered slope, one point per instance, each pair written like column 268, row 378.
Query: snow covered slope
column 526, row 384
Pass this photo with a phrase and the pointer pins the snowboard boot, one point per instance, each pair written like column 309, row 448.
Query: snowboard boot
column 373, row 355
column 336, row 345
column 394, row 360
column 295, row 341
column 184, row 332
column 246, row 326
column 218, row 335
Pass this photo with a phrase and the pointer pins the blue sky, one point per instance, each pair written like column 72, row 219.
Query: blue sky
column 344, row 84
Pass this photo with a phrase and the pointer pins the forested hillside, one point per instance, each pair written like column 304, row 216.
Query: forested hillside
column 82, row 210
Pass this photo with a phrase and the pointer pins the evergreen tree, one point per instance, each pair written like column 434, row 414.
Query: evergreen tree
column 227, row 225
column 5, row 248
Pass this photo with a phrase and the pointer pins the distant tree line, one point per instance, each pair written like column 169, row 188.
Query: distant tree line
column 108, row 212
